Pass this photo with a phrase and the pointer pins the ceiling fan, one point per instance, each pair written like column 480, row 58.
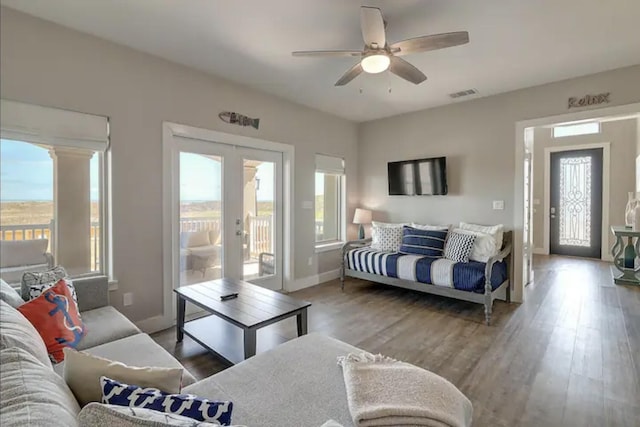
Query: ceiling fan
column 378, row 56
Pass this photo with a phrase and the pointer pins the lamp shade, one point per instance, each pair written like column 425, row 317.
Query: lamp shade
column 362, row 216
column 376, row 63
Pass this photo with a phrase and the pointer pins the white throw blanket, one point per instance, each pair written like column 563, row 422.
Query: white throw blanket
column 385, row 392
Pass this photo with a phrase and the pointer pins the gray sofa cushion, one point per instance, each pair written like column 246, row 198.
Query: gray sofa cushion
column 136, row 350
column 17, row 331
column 93, row 292
column 298, row 383
column 105, row 324
column 32, row 394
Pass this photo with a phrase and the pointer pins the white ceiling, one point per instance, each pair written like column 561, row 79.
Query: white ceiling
column 514, row 43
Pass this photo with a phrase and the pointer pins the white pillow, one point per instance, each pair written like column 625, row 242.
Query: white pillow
column 386, row 237
column 496, row 231
column 430, row 227
column 10, row 295
column 484, row 246
column 82, row 372
column 198, row 238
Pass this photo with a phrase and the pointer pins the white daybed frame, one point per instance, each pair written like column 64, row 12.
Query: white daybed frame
column 486, row 298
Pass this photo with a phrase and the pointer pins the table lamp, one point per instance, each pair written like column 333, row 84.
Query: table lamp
column 362, row 216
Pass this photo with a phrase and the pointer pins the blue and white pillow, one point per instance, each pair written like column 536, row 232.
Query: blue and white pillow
column 187, row 405
column 423, row 242
column 459, row 246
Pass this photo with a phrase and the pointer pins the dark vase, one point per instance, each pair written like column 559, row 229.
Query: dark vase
column 629, row 255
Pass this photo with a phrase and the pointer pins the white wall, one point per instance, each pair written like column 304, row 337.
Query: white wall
column 43, row 63
column 621, row 135
column 638, row 155
column 478, row 138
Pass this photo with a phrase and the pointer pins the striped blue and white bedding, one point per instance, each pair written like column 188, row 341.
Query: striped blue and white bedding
column 464, row 276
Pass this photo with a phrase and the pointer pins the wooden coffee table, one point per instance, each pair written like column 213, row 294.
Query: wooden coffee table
column 230, row 330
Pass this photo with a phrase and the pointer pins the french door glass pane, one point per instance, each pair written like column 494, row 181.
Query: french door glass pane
column 201, row 236
column 259, row 210
column 575, row 201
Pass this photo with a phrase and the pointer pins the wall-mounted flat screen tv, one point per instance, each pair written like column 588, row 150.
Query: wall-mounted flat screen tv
column 423, row 177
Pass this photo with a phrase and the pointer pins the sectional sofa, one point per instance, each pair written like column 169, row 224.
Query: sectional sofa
column 297, row 384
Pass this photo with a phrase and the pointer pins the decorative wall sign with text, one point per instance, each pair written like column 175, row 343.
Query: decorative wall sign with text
column 238, row 119
column 588, row 100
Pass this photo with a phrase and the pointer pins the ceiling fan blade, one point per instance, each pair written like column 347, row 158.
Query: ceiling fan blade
column 350, row 75
column 327, row 53
column 432, row 42
column 402, row 68
column 372, row 25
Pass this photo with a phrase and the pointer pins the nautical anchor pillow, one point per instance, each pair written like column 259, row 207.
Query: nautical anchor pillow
column 187, row 405
column 55, row 316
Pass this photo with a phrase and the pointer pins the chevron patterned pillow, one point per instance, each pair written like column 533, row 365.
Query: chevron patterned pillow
column 459, row 246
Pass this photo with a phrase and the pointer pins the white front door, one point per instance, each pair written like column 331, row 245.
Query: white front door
column 227, row 213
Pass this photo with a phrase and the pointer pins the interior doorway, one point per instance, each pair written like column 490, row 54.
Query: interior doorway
column 530, row 212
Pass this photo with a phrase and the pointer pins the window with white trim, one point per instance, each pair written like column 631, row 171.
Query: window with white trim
column 329, row 200
column 587, row 128
column 53, row 188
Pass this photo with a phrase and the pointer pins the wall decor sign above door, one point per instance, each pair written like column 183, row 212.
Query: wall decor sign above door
column 588, row 100
column 238, row 119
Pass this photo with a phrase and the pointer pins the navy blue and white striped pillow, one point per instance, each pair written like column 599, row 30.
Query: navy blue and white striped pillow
column 423, row 242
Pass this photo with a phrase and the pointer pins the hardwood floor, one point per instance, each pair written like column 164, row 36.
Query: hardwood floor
column 568, row 356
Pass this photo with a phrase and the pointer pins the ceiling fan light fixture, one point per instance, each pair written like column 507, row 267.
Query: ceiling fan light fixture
column 375, row 63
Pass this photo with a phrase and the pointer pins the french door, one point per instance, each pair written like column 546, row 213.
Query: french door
column 576, row 203
column 227, row 203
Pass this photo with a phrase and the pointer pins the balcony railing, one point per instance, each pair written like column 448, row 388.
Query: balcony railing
column 258, row 234
column 258, row 231
column 45, row 231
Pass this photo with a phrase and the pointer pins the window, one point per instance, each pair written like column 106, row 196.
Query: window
column 588, row 128
column 52, row 185
column 329, row 200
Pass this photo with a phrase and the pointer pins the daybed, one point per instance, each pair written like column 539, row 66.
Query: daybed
column 469, row 281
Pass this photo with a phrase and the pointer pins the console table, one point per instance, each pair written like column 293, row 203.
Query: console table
column 625, row 275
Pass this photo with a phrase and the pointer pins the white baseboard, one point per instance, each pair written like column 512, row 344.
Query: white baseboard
column 160, row 322
column 540, row 251
column 153, row 324
column 316, row 279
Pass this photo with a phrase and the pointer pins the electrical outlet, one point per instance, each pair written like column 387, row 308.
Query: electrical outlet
column 127, row 299
column 310, row 261
column 498, row 205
